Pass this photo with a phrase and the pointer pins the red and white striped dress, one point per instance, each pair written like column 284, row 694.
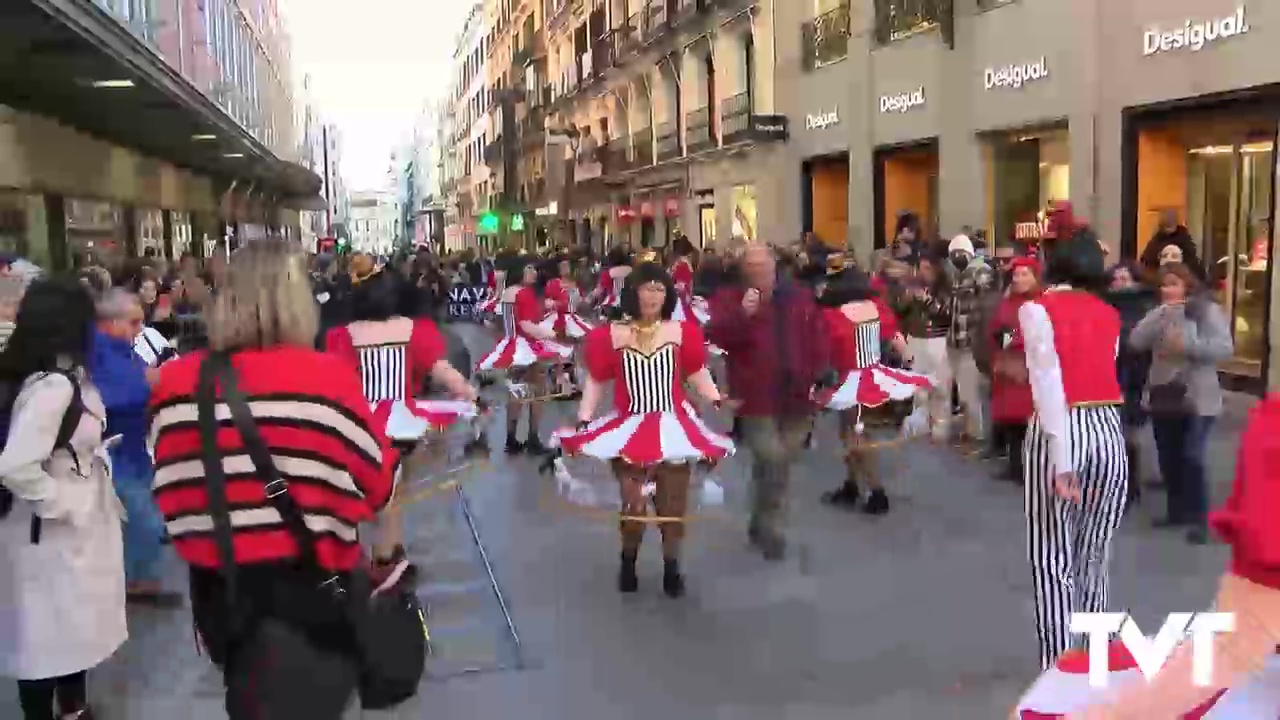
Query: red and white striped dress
column 652, row 420
column 517, row 348
column 855, row 350
column 686, row 308
column 394, row 359
column 563, row 320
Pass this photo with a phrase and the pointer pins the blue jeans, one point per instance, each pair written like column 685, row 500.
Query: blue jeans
column 1181, row 446
column 144, row 526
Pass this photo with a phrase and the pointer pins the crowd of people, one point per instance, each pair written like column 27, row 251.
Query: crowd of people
column 152, row 405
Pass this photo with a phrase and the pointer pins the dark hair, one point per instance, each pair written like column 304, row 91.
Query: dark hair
column 617, row 257
column 849, row 285
column 682, row 247
column 55, row 321
column 380, row 297
column 1183, row 272
column 1075, row 260
column 645, row 273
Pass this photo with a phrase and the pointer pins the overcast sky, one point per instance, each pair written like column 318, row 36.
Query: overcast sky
column 373, row 64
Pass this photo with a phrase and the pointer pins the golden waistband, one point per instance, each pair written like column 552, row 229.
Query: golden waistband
column 1097, row 404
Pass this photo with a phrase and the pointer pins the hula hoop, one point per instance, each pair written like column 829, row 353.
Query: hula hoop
column 557, row 503
column 430, row 490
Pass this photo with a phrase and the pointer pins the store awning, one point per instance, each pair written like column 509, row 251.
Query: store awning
column 71, row 61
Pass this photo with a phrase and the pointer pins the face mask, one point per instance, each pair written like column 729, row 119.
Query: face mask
column 960, row 260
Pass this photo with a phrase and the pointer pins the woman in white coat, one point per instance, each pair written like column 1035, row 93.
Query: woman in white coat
column 62, row 593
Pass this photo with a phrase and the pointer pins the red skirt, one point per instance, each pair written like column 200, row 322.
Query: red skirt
column 675, row 436
column 873, row 386
column 521, row 352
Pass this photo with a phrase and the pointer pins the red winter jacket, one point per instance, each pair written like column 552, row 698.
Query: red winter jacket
column 1011, row 400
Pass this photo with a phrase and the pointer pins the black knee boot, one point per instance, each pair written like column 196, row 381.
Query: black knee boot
column 672, row 580
column 627, row 580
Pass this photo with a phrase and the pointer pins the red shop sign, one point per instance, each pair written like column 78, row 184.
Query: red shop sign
column 626, row 213
column 671, row 207
column 646, row 209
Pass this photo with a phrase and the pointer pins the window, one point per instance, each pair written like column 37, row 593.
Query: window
column 898, row 19
column 826, row 38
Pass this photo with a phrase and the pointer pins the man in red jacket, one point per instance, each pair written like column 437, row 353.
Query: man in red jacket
column 772, row 332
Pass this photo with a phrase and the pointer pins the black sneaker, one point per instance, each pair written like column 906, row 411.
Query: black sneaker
column 672, row 580
column 513, row 446
column 627, row 580
column 877, row 503
column 846, row 496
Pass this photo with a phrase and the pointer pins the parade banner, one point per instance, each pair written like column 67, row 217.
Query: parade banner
column 463, row 300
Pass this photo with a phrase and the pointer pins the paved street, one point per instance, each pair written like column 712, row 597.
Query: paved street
column 923, row 613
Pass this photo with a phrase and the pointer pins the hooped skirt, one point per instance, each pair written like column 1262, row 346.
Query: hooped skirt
column 566, row 324
column 521, row 352
column 406, row 421
column 873, row 386
column 643, row 439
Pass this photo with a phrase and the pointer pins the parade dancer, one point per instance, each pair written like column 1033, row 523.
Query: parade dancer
column 524, row 350
column 1246, row 669
column 653, row 435
column 608, row 293
column 491, row 306
column 682, row 277
column 1074, row 455
column 395, row 356
column 563, row 298
column 858, row 324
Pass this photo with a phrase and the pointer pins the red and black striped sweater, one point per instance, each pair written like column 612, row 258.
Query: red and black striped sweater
column 314, row 419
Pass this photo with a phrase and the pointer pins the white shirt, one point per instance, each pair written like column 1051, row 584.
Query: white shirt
column 150, row 344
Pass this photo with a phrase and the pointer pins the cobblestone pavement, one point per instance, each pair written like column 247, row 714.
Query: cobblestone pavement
column 923, row 613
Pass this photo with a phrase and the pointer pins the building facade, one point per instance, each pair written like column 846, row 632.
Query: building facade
column 375, row 222
column 465, row 176
column 159, row 128
column 322, row 154
column 979, row 113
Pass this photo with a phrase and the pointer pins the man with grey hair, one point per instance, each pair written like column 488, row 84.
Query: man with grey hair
column 124, row 381
column 774, row 334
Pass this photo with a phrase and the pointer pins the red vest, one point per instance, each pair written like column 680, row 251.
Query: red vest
column 1086, row 331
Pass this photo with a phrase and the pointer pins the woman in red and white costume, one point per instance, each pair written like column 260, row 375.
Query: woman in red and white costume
column 682, row 278
column 1246, row 673
column 562, row 299
column 608, row 293
column 525, row 349
column 395, row 356
column 654, row 433
column 1077, row 471
column 491, row 306
column 859, row 323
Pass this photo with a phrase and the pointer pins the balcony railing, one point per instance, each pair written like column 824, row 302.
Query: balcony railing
column 668, row 142
column 657, row 20
column 643, row 147
column 617, row 155
column 825, row 39
column 629, row 35
column 735, row 114
column 602, row 57
column 898, row 19
column 698, row 130
column 521, row 56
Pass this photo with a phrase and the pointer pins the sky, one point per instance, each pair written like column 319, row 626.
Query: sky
column 373, row 65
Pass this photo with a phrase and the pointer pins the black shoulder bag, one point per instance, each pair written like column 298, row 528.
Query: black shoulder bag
column 388, row 629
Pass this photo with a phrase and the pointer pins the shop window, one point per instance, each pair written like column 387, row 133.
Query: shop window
column 1216, row 175
column 1027, row 172
column 909, row 183
column 825, row 39
column 706, row 226
column 899, row 19
column 829, row 200
column 95, row 233
column 744, row 212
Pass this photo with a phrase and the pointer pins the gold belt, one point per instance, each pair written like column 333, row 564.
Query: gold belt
column 1097, row 404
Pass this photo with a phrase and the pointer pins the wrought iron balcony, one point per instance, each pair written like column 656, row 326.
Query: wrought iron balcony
column 735, row 114
column 657, row 19
column 628, row 35
column 668, row 142
column 602, row 55
column 521, row 56
column 898, row 19
column 825, row 39
column 643, row 147
column 698, row 135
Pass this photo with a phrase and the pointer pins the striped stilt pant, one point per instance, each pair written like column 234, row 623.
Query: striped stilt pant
column 1069, row 543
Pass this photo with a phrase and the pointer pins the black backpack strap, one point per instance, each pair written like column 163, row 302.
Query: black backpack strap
column 277, row 490
column 66, row 429
column 216, row 489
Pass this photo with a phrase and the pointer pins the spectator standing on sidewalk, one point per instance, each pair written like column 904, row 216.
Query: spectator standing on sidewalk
column 775, row 335
column 972, row 280
column 1188, row 335
column 61, row 561
column 125, row 380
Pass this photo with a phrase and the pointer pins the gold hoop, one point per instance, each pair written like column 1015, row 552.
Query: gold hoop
column 399, row 500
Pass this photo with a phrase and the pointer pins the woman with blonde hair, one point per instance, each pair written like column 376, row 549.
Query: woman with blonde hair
column 328, row 459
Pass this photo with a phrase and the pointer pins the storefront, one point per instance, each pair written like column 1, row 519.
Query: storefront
column 825, row 206
column 1203, row 149
column 1026, row 171
column 906, row 180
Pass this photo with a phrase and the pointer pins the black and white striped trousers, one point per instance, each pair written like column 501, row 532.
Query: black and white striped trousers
column 1069, row 543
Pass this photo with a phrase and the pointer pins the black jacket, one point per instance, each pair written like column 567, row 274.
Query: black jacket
column 1181, row 237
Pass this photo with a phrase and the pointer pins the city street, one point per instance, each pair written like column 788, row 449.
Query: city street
column 923, row 613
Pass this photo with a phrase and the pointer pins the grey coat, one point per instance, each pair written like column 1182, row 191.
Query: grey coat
column 1206, row 336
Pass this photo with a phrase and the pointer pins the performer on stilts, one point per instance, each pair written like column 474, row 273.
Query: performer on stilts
column 525, row 351
column 1077, row 471
column 563, row 298
column 654, row 436
column 395, row 357
column 859, row 324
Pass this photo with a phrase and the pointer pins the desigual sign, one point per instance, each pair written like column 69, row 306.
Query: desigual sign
column 1015, row 76
column 902, row 102
column 822, row 120
column 1194, row 35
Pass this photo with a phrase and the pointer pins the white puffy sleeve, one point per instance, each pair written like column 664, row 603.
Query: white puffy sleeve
column 1045, row 374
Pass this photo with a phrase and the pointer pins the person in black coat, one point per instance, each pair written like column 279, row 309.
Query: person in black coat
column 1133, row 300
column 1172, row 232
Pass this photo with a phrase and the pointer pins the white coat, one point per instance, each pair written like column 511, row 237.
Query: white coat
column 62, row 601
